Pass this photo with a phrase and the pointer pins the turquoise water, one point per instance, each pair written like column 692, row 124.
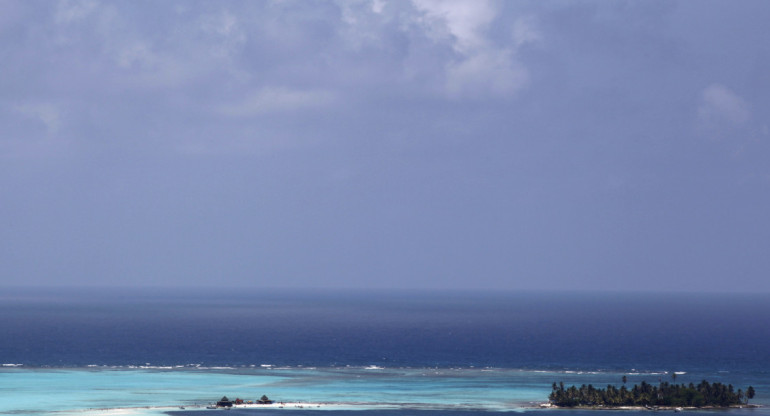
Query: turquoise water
column 40, row 391
column 153, row 391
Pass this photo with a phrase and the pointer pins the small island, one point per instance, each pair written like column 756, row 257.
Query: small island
column 665, row 395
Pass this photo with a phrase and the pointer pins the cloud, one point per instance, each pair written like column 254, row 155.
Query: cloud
column 46, row 113
column 722, row 114
column 719, row 104
column 525, row 31
column 226, row 31
column 109, row 64
column 481, row 68
column 276, row 99
column 486, row 73
column 69, row 11
column 33, row 129
column 464, row 21
column 378, row 6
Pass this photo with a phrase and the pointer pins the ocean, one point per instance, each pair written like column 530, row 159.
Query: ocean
column 364, row 353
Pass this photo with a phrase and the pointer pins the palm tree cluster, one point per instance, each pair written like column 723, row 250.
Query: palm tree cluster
column 678, row 395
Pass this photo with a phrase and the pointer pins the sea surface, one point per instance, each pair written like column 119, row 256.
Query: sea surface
column 365, row 353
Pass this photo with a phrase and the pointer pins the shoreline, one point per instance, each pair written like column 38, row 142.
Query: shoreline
column 372, row 406
column 298, row 405
column 164, row 409
column 545, row 406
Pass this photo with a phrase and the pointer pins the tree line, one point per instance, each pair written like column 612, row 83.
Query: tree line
column 670, row 395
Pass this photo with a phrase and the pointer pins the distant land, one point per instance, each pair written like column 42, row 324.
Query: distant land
column 645, row 395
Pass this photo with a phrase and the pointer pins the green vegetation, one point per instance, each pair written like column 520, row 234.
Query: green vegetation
column 704, row 394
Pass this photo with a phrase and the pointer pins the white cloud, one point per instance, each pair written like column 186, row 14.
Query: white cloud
column 525, row 31
column 73, row 10
column 34, row 129
column 481, row 68
column 226, row 30
column 224, row 23
column 463, row 20
column 363, row 22
column 719, row 104
column 46, row 113
column 724, row 115
column 137, row 54
column 378, row 6
column 275, row 99
column 486, row 73
column 145, row 68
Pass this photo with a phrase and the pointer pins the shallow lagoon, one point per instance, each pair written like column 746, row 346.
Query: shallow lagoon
column 43, row 390
column 154, row 390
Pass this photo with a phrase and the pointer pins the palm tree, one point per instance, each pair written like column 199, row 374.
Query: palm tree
column 749, row 393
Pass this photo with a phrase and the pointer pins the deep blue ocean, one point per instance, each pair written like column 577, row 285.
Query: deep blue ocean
column 530, row 339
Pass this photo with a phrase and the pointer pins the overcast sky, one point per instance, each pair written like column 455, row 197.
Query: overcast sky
column 386, row 144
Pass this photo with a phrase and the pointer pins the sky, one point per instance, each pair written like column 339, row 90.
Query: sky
column 423, row 144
